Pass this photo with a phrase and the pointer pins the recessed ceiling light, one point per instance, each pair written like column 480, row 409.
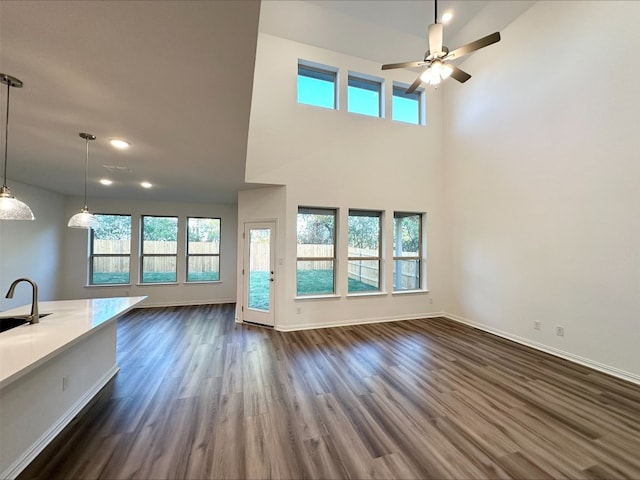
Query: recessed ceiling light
column 119, row 143
column 106, row 181
column 146, row 185
column 446, row 17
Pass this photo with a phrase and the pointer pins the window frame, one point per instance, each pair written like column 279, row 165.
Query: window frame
column 378, row 258
column 378, row 83
column 157, row 255
column 189, row 255
column 93, row 255
column 333, row 259
column 400, row 88
column 321, row 70
column 418, row 258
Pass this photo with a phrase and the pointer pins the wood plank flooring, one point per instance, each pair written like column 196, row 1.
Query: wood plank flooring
column 199, row 396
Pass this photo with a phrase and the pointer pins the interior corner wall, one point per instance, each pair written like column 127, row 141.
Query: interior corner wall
column 32, row 249
column 333, row 158
column 543, row 183
column 76, row 250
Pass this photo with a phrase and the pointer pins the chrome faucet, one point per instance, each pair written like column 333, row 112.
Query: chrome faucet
column 34, row 317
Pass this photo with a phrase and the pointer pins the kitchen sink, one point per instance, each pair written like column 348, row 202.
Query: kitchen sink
column 7, row 323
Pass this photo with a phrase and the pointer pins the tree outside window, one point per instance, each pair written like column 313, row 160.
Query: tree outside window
column 159, row 249
column 407, row 251
column 110, row 257
column 315, row 272
column 364, row 251
column 203, row 249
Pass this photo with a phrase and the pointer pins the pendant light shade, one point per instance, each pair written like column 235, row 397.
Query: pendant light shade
column 10, row 207
column 84, row 219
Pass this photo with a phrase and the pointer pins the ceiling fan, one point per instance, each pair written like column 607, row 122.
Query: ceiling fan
column 437, row 57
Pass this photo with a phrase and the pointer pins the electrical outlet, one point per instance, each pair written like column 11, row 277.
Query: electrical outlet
column 560, row 331
column 299, row 310
column 536, row 325
column 431, row 300
column 65, row 383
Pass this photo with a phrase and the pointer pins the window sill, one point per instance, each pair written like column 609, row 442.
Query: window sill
column 155, row 284
column 366, row 294
column 100, row 285
column 410, row 292
column 317, row 297
column 202, row 282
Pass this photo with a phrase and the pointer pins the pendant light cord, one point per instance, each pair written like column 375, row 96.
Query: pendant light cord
column 435, row 14
column 86, row 175
column 6, row 138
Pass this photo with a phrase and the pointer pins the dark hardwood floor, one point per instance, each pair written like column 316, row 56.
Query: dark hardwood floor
column 199, row 396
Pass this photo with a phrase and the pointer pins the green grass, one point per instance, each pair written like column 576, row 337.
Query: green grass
column 308, row 282
column 107, row 278
column 102, row 278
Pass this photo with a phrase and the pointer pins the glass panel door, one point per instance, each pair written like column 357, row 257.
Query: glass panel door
column 259, row 274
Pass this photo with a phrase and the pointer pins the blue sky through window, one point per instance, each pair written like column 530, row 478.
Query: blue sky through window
column 318, row 88
column 363, row 97
column 405, row 107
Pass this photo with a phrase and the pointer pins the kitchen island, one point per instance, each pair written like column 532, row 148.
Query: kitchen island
column 50, row 370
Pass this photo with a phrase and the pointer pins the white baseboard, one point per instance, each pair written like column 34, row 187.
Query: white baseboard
column 609, row 370
column 47, row 437
column 345, row 323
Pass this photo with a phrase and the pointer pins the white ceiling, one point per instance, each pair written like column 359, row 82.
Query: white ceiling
column 175, row 79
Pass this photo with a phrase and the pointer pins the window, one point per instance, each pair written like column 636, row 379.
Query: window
column 407, row 248
column 109, row 262
column 364, row 251
column 159, row 249
column 364, row 96
column 406, row 107
column 203, row 249
column 316, row 86
column 315, row 269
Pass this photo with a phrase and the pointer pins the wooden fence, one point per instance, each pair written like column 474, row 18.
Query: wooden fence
column 152, row 264
column 365, row 271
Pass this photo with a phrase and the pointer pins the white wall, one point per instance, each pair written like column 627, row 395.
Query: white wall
column 74, row 279
column 32, row 249
column 543, row 183
column 332, row 158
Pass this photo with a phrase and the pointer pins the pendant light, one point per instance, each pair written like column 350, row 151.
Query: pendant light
column 10, row 207
column 84, row 219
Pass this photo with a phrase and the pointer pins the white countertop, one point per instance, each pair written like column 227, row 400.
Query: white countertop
column 25, row 347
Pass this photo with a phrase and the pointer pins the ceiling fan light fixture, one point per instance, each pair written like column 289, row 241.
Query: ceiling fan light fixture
column 426, row 76
column 84, row 219
column 446, row 71
column 10, row 207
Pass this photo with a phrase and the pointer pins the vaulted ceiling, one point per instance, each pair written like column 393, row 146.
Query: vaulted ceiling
column 175, row 78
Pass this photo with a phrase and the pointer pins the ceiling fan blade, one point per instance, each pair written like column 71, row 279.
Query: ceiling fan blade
column 435, row 38
column 389, row 66
column 473, row 46
column 414, row 85
column 459, row 75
